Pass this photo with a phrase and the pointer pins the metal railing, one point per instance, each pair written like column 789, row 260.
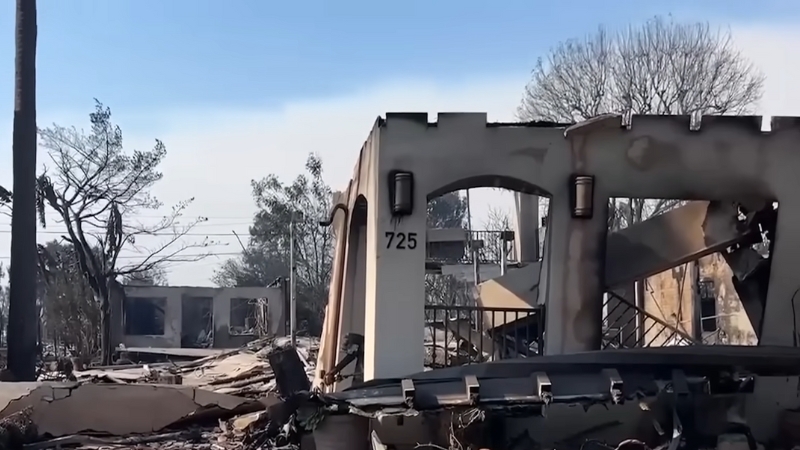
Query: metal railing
column 488, row 248
column 459, row 335
column 625, row 325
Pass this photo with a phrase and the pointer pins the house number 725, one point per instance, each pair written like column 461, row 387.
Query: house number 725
column 401, row 241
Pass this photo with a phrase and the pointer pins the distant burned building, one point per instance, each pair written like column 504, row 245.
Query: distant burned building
column 195, row 317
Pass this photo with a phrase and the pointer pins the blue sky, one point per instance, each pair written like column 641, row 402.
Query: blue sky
column 242, row 91
column 141, row 54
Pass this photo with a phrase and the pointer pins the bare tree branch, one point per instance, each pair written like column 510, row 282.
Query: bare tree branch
column 95, row 188
column 497, row 220
column 660, row 67
column 70, row 312
column 5, row 201
column 447, row 290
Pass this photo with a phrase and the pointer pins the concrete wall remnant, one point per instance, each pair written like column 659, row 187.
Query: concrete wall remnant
column 182, row 316
column 726, row 160
column 671, row 296
column 733, row 322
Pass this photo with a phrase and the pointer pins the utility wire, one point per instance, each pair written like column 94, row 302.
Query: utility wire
column 179, row 255
column 178, row 224
column 138, row 235
column 250, row 218
column 163, row 233
column 156, row 216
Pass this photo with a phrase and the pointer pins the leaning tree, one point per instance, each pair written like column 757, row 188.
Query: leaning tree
column 96, row 189
column 660, row 67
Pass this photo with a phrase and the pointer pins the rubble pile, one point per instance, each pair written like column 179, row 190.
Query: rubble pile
column 230, row 400
column 17, row 429
column 260, row 398
column 241, row 372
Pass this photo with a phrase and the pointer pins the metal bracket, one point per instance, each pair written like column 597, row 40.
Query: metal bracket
column 626, row 119
column 695, row 120
column 409, row 391
column 543, row 387
column 473, row 388
column 616, row 386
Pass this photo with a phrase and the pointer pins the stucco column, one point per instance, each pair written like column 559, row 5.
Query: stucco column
column 526, row 225
column 780, row 322
column 576, row 272
column 395, row 285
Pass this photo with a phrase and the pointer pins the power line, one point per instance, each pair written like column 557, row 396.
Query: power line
column 160, row 233
column 156, row 216
column 180, row 255
column 248, row 218
column 199, row 224
column 209, row 224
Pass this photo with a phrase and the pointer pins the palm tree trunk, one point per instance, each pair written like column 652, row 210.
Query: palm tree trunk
column 23, row 320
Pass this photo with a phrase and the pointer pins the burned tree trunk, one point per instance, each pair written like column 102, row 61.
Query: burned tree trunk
column 92, row 187
column 106, row 344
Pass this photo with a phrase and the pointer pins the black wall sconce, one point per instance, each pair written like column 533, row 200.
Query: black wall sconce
column 582, row 196
column 401, row 192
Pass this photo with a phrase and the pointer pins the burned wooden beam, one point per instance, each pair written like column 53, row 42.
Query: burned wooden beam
column 290, row 373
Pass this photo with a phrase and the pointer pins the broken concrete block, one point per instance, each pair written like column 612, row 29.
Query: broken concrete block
column 61, row 409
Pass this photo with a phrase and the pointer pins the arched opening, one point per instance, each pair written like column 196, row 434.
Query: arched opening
column 490, row 181
column 353, row 291
column 481, row 287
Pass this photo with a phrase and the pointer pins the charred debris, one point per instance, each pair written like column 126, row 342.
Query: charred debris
column 261, row 397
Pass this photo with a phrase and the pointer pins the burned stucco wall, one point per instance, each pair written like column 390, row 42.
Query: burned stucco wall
column 223, row 337
column 172, row 299
column 734, row 327
column 668, row 296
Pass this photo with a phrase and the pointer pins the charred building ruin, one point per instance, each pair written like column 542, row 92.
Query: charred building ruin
column 195, row 317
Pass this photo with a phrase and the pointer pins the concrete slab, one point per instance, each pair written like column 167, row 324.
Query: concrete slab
column 170, row 351
column 61, row 409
